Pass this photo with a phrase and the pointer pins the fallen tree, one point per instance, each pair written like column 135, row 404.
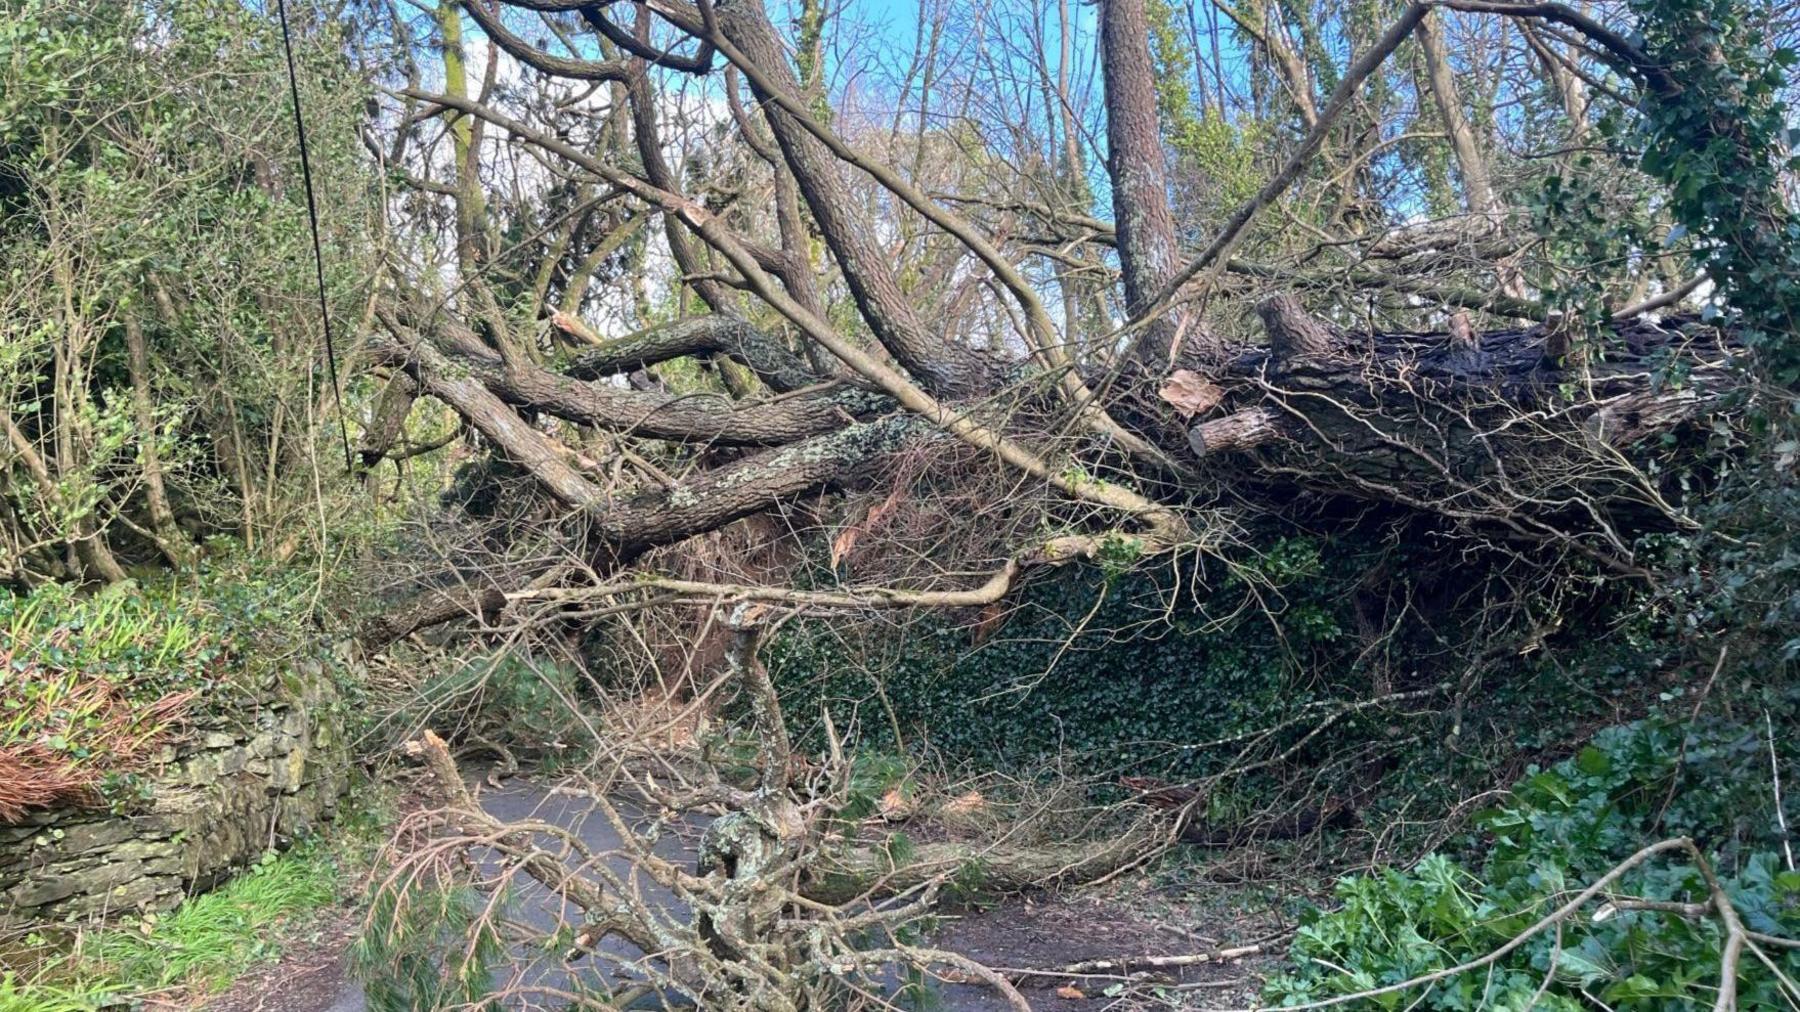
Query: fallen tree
column 1541, row 437
column 841, row 328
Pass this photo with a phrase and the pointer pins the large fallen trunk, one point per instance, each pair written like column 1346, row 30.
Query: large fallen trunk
column 1526, row 435
column 1531, row 430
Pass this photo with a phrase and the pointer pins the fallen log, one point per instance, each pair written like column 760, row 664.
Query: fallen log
column 855, row 872
column 1530, row 429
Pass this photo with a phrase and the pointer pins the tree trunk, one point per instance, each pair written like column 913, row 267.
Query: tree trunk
column 170, row 539
column 1148, row 254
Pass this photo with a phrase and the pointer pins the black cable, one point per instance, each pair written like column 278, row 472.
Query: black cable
column 312, row 217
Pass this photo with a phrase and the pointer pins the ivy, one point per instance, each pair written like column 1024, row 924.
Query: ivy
column 1714, row 130
column 1558, row 830
column 1123, row 669
column 1087, row 665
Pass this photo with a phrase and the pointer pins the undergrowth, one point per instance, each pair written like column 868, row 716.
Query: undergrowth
column 1560, row 829
column 428, row 948
column 533, row 707
column 1192, row 671
column 212, row 938
column 199, row 947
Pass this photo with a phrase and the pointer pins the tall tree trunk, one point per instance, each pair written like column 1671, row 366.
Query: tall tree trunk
column 1148, row 254
column 1471, row 163
column 169, row 538
column 463, row 140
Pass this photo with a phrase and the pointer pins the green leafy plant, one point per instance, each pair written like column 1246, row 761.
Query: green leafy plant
column 1714, row 130
column 516, row 700
column 149, row 222
column 1560, row 829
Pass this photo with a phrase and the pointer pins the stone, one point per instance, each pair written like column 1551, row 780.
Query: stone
column 200, row 770
column 44, row 889
column 168, row 897
column 168, row 864
column 145, row 850
column 111, row 875
column 290, row 773
column 134, row 893
column 84, row 837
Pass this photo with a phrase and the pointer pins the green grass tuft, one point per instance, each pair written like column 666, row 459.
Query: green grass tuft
column 211, row 939
column 16, row 996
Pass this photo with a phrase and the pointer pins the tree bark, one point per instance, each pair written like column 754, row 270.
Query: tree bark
column 1471, row 163
column 170, row 539
column 780, row 369
column 1148, row 253
column 1489, row 429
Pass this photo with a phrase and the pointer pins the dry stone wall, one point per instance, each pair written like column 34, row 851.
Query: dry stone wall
column 253, row 776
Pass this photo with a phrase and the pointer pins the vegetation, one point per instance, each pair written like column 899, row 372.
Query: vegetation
column 1648, row 941
column 881, row 464
column 430, row 949
column 93, row 687
column 161, row 361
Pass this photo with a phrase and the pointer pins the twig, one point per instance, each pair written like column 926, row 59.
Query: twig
column 1681, row 754
column 1125, row 965
column 1787, row 845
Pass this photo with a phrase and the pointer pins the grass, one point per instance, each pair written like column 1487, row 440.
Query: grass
column 211, row 939
column 21, row 997
column 199, row 948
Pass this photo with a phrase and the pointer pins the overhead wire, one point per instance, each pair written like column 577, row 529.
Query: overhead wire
column 312, row 217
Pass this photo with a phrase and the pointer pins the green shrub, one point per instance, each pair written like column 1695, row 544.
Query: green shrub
column 1561, row 829
column 1132, row 673
column 149, row 190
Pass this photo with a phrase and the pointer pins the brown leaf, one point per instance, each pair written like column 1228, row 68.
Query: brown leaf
column 896, row 804
column 989, row 620
column 1191, row 393
column 1070, row 991
column 845, row 542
